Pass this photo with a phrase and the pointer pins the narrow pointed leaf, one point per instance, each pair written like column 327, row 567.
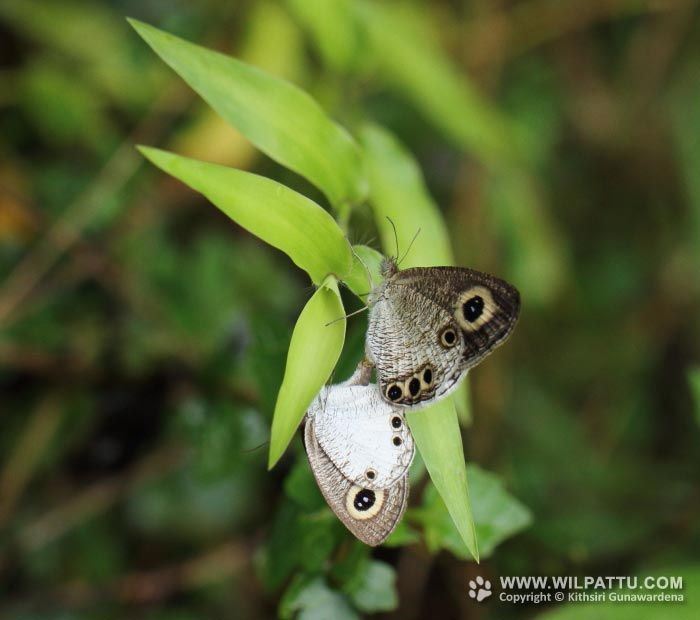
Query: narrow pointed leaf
column 409, row 57
column 365, row 272
column 278, row 215
column 437, row 435
column 497, row 516
column 399, row 194
column 313, row 352
column 280, row 119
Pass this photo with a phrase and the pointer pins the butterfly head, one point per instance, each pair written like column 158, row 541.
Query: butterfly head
column 389, row 267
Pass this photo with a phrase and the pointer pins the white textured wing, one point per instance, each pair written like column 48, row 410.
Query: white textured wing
column 365, row 437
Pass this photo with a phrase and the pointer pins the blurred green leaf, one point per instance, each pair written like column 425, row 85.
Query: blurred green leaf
column 278, row 215
column 334, row 28
column 277, row 559
column 221, row 435
column 318, row 544
column 314, row 600
column 349, row 566
column 300, row 485
column 313, row 352
column 407, row 54
column 497, row 516
column 301, row 543
column 279, row 118
column 685, row 123
column 70, row 29
column 402, row 535
column 462, row 400
column 66, row 111
column 273, row 42
column 688, row 609
column 439, row 441
column 398, row 192
column 694, row 382
column 538, row 262
column 190, row 507
column 377, row 589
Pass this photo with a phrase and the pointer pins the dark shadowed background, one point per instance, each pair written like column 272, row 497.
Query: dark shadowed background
column 143, row 335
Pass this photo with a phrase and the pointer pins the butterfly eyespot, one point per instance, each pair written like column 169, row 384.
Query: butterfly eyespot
column 414, row 386
column 363, row 503
column 473, row 308
column 370, row 474
column 397, row 441
column 396, row 422
column 394, row 392
column 428, row 376
column 448, row 338
column 364, row 500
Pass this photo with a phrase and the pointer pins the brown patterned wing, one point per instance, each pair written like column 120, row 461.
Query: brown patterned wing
column 371, row 515
column 428, row 326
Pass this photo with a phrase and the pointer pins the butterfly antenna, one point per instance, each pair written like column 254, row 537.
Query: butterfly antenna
column 408, row 249
column 367, row 269
column 396, row 236
column 262, row 445
column 347, row 316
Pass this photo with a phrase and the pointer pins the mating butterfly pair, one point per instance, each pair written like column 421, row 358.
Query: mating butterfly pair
column 427, row 327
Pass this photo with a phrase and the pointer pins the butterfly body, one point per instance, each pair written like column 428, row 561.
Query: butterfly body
column 429, row 325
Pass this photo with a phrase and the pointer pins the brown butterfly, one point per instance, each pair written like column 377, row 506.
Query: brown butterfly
column 429, row 325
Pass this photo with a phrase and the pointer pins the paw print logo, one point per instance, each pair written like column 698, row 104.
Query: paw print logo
column 479, row 589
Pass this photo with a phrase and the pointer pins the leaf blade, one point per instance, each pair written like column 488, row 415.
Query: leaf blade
column 408, row 57
column 282, row 120
column 399, row 193
column 316, row 344
column 292, row 223
column 437, row 435
column 365, row 270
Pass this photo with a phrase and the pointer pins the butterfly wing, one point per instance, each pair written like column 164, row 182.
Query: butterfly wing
column 429, row 325
column 366, row 438
column 371, row 515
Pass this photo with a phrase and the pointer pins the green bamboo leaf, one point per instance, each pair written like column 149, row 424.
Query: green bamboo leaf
column 408, row 56
column 313, row 352
column 540, row 264
column 365, row 272
column 437, row 435
column 280, row 119
column 278, row 215
column 398, row 192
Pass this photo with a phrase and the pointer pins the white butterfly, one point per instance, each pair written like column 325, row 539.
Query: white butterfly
column 360, row 449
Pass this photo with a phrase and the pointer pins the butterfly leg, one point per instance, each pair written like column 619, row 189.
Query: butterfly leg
column 362, row 374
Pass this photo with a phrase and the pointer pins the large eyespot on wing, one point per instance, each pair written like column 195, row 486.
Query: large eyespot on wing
column 474, row 308
column 486, row 315
column 362, row 503
column 371, row 515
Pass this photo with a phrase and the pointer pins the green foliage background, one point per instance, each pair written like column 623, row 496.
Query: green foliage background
column 143, row 335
